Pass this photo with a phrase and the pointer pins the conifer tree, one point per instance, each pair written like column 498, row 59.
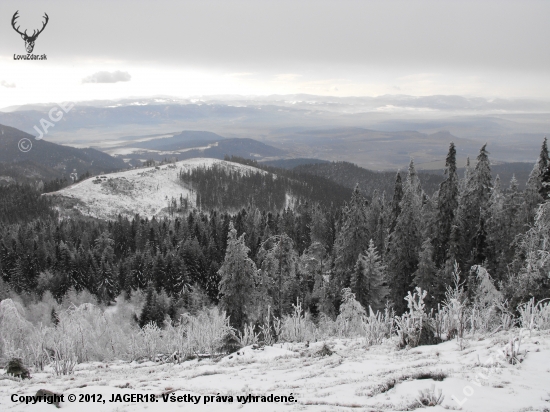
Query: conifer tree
column 428, row 278
column 237, row 284
column 495, row 227
column 514, row 220
column 544, row 170
column 319, row 226
column 534, row 192
column 352, row 239
column 530, row 279
column 395, row 208
column 405, row 242
column 471, row 210
column 447, row 204
column 279, row 265
column 368, row 281
column 153, row 310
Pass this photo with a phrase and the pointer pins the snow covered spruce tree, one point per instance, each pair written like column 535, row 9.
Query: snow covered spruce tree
column 395, row 208
column 237, row 285
column 352, row 239
column 534, row 192
column 447, row 204
column 471, row 212
column 405, row 241
column 532, row 263
column 279, row 273
column 544, row 170
column 368, row 281
column 427, row 277
column 495, row 227
column 106, row 283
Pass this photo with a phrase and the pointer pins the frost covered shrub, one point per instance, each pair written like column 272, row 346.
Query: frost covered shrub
column 410, row 324
column 64, row 357
column 40, row 313
column 15, row 331
column 248, row 337
column 429, row 397
column 535, row 316
column 297, row 327
column 350, row 320
column 206, row 331
column 377, row 326
column 88, row 333
column 150, row 341
column 76, row 298
column 94, row 334
column 455, row 307
column 489, row 310
column 326, row 326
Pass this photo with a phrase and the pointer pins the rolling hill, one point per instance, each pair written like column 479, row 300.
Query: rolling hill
column 203, row 183
column 46, row 160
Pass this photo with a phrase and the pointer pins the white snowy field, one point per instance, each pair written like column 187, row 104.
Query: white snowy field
column 379, row 378
column 146, row 191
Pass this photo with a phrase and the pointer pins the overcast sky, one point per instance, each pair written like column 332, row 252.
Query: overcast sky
column 114, row 49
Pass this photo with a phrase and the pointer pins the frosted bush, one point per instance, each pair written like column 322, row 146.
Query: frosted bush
column 489, row 310
column 248, row 337
column 206, row 331
column 76, row 298
column 377, row 326
column 455, row 307
column 326, row 327
column 150, row 338
column 37, row 350
column 96, row 336
column 40, row 313
column 64, row 347
column 410, row 324
column 350, row 320
column 15, row 331
column 297, row 327
column 535, row 316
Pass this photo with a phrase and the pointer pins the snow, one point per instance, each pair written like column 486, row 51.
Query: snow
column 146, row 191
column 122, row 151
column 351, row 378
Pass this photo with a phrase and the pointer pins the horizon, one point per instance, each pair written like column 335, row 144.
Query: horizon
column 345, row 49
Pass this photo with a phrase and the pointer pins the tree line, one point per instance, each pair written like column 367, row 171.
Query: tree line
column 268, row 258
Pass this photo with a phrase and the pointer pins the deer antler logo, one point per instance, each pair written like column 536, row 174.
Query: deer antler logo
column 29, row 40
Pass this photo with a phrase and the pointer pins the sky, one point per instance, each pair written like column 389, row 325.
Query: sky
column 118, row 49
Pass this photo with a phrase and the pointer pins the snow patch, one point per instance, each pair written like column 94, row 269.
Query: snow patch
column 147, row 191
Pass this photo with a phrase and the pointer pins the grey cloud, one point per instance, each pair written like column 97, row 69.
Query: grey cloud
column 285, row 36
column 6, row 84
column 108, row 77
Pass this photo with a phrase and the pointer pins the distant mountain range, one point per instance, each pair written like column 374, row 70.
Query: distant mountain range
column 379, row 133
column 191, row 144
column 46, row 160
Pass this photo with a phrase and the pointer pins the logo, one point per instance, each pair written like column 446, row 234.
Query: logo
column 29, row 40
column 25, row 145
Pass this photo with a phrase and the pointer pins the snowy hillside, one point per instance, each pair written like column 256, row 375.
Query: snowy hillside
column 146, row 191
column 379, row 378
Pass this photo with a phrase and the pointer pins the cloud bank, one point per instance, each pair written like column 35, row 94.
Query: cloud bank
column 108, row 77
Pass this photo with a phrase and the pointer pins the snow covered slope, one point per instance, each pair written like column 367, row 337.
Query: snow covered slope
column 379, row 378
column 146, row 191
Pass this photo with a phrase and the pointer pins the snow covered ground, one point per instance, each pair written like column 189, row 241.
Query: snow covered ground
column 145, row 191
column 380, row 378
